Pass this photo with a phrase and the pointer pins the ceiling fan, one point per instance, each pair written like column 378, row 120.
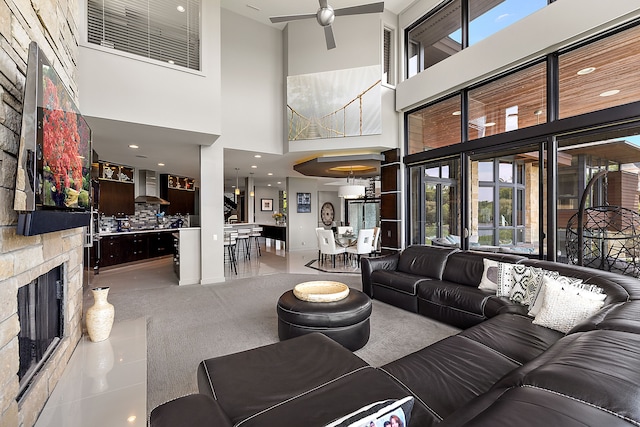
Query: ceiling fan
column 326, row 14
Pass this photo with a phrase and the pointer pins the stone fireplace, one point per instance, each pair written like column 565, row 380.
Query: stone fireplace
column 53, row 24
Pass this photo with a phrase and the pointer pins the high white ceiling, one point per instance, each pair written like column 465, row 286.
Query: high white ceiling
column 179, row 150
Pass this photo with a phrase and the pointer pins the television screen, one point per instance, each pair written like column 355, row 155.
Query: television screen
column 54, row 161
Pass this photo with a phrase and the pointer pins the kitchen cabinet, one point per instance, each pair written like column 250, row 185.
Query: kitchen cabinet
column 129, row 247
column 180, row 192
column 116, row 192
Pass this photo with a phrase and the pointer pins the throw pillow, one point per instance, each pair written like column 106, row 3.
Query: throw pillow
column 536, row 301
column 505, row 279
column 526, row 281
column 378, row 413
column 564, row 306
column 489, row 280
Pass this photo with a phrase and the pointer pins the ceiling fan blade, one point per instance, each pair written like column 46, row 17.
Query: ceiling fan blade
column 276, row 19
column 328, row 35
column 357, row 10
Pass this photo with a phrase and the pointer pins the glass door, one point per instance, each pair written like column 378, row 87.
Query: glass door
column 363, row 214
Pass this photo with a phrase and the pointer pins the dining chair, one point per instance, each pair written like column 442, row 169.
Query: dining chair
column 364, row 244
column 328, row 245
column 318, row 240
column 376, row 241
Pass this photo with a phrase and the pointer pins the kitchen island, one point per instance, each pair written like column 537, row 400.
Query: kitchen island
column 271, row 232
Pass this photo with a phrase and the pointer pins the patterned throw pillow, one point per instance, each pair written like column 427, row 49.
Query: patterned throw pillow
column 564, row 306
column 505, row 279
column 489, row 281
column 526, row 281
column 378, row 413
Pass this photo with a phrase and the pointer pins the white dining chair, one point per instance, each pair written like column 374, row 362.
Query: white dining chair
column 328, row 245
column 318, row 240
column 364, row 244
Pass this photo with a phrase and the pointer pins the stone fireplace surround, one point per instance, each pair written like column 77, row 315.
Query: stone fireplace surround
column 53, row 24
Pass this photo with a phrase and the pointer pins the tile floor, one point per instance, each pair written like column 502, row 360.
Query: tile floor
column 105, row 384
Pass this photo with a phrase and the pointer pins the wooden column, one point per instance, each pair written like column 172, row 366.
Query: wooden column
column 390, row 221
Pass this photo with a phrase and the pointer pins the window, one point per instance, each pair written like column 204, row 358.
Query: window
column 154, row 29
column 388, row 74
column 439, row 34
column 601, row 74
column 512, row 102
column 433, row 39
column 434, row 126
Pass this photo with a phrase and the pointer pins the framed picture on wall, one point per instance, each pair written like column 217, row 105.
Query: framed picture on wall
column 266, row 205
column 304, row 202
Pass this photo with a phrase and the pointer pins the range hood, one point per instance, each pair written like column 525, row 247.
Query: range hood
column 148, row 184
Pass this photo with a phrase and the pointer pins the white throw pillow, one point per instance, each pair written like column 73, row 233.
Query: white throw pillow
column 505, row 279
column 536, row 301
column 564, row 306
column 526, row 281
column 489, row 281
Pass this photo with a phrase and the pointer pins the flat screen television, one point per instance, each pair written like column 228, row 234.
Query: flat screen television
column 53, row 179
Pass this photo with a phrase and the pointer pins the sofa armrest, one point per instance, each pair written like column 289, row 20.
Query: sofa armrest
column 369, row 265
column 194, row 410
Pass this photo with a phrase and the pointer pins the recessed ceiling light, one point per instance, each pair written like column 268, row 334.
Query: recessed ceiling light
column 254, row 167
column 133, row 146
column 587, row 70
column 171, row 61
column 180, row 8
column 268, row 185
column 160, row 164
column 489, row 124
column 132, row 418
column 610, row 92
column 270, row 174
column 457, row 113
column 279, row 182
column 257, row 156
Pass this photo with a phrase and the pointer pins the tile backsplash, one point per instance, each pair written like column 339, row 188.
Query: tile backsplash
column 147, row 216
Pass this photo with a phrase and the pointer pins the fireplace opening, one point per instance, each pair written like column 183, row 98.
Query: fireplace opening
column 41, row 318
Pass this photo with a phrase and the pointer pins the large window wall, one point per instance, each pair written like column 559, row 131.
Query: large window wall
column 457, row 24
column 528, row 142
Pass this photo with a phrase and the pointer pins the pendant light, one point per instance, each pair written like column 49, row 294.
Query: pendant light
column 351, row 190
column 237, row 191
column 251, row 193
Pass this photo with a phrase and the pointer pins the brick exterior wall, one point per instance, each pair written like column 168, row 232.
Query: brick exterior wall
column 53, row 25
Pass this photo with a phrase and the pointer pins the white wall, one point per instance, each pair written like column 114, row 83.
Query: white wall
column 542, row 32
column 265, row 217
column 253, row 85
column 130, row 89
column 301, row 227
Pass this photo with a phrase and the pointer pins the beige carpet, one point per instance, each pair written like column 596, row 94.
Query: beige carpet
column 186, row 324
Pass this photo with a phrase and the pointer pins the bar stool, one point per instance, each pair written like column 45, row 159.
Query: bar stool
column 230, row 249
column 243, row 242
column 256, row 233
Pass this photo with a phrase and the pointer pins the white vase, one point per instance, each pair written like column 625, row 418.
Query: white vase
column 100, row 315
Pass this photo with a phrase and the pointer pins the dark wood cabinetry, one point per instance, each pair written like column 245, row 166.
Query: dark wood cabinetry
column 130, row 247
column 180, row 192
column 116, row 197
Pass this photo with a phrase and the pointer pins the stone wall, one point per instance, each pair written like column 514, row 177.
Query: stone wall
column 53, row 25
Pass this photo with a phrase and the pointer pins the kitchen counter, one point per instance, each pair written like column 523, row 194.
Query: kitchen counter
column 142, row 230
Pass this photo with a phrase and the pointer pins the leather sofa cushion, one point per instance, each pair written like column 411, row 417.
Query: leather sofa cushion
column 428, row 261
column 402, row 282
column 453, row 295
column 514, row 336
column 466, row 267
column 601, row 368
column 532, row 407
column 448, row 374
column 248, row 382
column 619, row 317
column 338, row 398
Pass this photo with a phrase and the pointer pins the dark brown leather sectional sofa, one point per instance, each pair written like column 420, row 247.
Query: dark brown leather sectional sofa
column 501, row 370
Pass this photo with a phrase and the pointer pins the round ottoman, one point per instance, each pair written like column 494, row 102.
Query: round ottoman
column 345, row 321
